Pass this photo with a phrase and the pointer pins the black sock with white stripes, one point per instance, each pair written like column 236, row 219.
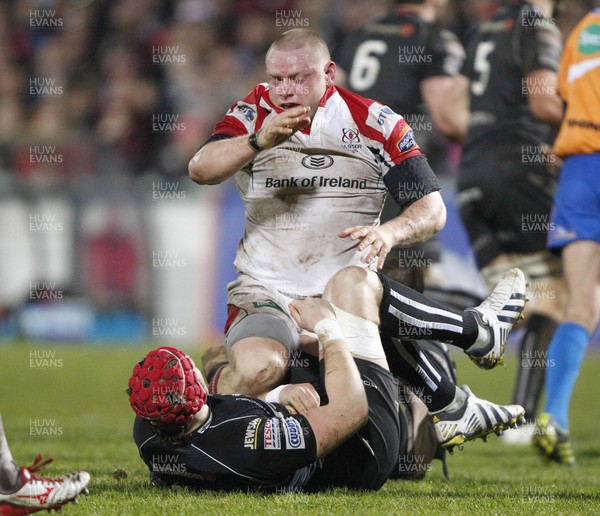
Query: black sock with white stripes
column 415, row 368
column 407, row 314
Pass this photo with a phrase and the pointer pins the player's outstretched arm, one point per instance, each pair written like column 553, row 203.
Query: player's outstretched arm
column 219, row 160
column 347, row 409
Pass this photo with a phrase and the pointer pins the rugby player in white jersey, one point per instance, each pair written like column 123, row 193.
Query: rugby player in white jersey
column 313, row 164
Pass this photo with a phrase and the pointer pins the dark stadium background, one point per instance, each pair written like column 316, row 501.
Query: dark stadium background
column 103, row 238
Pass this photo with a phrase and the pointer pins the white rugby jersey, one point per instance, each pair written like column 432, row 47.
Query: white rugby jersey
column 301, row 194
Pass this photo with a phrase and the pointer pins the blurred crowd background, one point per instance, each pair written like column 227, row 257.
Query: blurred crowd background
column 102, row 104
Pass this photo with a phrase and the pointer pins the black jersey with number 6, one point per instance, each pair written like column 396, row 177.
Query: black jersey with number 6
column 388, row 58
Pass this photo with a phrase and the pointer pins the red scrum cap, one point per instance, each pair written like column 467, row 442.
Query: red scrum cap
column 166, row 389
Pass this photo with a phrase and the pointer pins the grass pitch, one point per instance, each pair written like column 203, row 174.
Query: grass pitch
column 70, row 403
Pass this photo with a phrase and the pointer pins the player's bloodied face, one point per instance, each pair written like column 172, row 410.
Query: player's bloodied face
column 298, row 77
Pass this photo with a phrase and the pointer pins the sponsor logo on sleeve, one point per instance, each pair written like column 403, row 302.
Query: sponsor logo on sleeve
column 272, row 434
column 294, row 438
column 251, row 434
column 247, row 111
column 407, row 141
column 383, row 114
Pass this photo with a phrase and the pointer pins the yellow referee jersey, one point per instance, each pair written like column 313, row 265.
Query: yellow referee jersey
column 579, row 86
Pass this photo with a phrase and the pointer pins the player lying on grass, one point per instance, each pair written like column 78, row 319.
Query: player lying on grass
column 234, row 442
column 22, row 491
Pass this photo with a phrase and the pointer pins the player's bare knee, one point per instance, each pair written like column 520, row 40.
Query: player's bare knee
column 255, row 378
column 257, row 367
column 348, row 282
column 355, row 290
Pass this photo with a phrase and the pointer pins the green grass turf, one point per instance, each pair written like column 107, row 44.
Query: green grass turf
column 78, row 395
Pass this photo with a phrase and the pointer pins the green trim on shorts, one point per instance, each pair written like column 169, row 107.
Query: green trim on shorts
column 269, row 304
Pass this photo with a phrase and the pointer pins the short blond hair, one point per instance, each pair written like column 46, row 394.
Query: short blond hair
column 299, row 38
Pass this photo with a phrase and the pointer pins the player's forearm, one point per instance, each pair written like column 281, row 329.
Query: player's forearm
column 343, row 384
column 447, row 100
column 542, row 99
column 345, row 390
column 418, row 222
column 450, row 110
column 347, row 406
column 219, row 160
column 547, row 108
